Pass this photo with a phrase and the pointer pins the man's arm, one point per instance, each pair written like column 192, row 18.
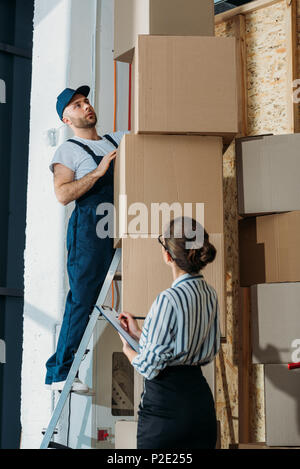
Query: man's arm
column 67, row 190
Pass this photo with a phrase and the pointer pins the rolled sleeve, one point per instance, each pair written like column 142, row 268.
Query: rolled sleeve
column 65, row 155
column 157, row 341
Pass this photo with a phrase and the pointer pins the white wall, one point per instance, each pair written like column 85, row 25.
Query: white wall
column 72, row 46
column 54, row 68
column 44, row 250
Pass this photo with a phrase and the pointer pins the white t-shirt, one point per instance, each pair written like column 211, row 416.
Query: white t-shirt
column 78, row 160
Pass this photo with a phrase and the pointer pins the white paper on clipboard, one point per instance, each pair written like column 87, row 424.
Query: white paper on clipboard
column 112, row 317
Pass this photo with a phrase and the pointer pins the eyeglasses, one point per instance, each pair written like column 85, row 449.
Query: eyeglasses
column 164, row 246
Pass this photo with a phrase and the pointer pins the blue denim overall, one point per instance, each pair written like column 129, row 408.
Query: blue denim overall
column 89, row 259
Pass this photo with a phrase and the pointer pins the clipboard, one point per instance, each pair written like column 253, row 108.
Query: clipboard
column 112, row 317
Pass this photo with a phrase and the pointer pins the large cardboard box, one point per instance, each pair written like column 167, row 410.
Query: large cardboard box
column 125, row 434
column 168, row 169
column 185, row 85
column 145, row 275
column 269, row 249
column 275, row 321
column 282, row 404
column 162, row 17
column 268, row 169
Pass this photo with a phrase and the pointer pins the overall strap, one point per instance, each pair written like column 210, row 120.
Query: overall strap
column 111, row 140
column 86, row 148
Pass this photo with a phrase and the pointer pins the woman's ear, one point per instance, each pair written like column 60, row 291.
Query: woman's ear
column 164, row 254
column 170, row 260
column 167, row 258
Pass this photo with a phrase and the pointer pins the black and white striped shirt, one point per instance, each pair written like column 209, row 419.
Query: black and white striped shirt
column 181, row 328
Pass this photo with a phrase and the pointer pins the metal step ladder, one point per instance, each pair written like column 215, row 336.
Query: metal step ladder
column 111, row 275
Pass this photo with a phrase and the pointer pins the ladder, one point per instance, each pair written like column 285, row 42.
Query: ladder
column 111, row 275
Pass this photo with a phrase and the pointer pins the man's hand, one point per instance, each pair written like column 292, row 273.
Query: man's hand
column 104, row 165
column 67, row 190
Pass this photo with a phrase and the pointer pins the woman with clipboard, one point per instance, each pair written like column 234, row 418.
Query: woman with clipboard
column 181, row 333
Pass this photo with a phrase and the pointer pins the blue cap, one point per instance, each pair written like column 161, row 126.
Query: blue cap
column 65, row 97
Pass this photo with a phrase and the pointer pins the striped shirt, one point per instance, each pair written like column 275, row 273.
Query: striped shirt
column 181, row 328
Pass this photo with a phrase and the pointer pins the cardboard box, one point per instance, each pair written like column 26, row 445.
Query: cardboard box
column 157, row 169
column 269, row 249
column 162, row 17
column 282, row 404
column 125, row 434
column 275, row 321
column 145, row 275
column 268, row 170
column 185, row 85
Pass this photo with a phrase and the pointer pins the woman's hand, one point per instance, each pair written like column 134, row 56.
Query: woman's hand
column 130, row 325
column 127, row 350
column 126, row 345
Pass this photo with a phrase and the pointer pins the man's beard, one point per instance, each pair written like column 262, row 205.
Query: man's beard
column 85, row 123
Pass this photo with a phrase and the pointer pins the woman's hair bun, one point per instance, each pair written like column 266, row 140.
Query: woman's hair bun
column 199, row 258
column 190, row 260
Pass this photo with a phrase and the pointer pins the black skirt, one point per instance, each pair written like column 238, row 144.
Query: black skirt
column 177, row 411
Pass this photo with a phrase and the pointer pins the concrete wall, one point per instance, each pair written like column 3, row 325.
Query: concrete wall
column 72, row 46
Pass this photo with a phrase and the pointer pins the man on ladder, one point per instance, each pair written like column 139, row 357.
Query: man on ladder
column 83, row 170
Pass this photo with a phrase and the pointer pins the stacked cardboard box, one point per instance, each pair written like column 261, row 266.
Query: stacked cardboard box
column 157, row 169
column 185, row 85
column 184, row 101
column 269, row 249
column 269, row 265
column 275, row 322
column 282, row 399
column 159, row 17
column 145, row 274
column 182, row 85
column 268, row 174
